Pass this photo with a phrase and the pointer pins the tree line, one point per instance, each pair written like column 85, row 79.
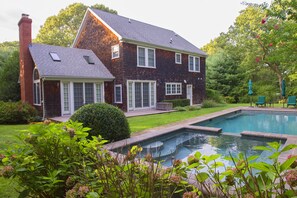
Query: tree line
column 261, row 45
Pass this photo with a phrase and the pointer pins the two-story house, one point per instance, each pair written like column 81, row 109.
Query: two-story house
column 114, row 59
column 150, row 63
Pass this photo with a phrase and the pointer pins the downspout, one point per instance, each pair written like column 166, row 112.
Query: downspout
column 43, row 101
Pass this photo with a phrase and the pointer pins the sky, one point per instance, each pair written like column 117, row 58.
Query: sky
column 198, row 21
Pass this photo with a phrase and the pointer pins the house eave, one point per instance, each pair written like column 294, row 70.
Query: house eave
column 76, row 78
column 144, row 44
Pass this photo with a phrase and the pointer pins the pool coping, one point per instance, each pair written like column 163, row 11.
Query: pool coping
column 166, row 129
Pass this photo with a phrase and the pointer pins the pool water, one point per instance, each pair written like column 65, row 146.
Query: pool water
column 272, row 122
column 182, row 143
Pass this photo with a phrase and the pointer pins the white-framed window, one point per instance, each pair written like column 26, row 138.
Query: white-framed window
column 118, row 94
column 178, row 58
column 194, row 64
column 173, row 88
column 115, row 51
column 141, row 94
column 146, row 57
column 99, row 92
column 36, row 88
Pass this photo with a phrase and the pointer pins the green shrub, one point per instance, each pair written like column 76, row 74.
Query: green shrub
column 180, row 108
column 57, row 160
column 230, row 99
column 193, row 108
column 17, row 113
column 214, row 95
column 103, row 119
column 179, row 102
column 249, row 176
column 209, row 104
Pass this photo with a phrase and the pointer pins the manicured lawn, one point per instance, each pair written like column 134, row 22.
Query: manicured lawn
column 145, row 122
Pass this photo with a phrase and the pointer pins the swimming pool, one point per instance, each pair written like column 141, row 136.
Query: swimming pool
column 259, row 121
column 184, row 142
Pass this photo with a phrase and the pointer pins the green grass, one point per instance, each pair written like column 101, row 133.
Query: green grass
column 150, row 121
column 8, row 133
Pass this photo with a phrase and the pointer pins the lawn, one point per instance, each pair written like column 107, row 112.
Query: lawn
column 146, row 122
column 8, row 135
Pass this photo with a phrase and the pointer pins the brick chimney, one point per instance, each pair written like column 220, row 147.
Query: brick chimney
column 26, row 62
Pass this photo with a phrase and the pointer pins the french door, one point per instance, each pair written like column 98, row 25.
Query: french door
column 141, row 94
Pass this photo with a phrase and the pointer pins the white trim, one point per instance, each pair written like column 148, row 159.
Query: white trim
column 115, row 94
column 176, row 62
column 71, row 94
column 194, row 63
column 133, row 94
column 82, row 25
column 173, row 94
column 62, row 97
column 150, row 45
column 101, row 20
column 112, row 51
column 146, row 58
column 37, row 82
column 191, row 99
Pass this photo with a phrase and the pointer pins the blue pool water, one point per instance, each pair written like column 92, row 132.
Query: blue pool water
column 182, row 143
column 272, row 122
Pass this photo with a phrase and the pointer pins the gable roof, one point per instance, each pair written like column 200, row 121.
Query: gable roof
column 129, row 30
column 72, row 63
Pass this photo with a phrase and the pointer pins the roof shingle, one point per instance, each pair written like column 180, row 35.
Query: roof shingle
column 72, row 64
column 134, row 30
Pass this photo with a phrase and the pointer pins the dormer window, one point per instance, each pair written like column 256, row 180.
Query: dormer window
column 115, row 51
column 55, row 56
column 178, row 58
column 89, row 60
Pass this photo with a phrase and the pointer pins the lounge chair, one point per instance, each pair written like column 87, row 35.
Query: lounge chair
column 261, row 101
column 291, row 101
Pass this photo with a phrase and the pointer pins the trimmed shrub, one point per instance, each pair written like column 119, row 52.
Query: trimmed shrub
column 17, row 113
column 180, row 108
column 209, row 104
column 179, row 102
column 103, row 119
column 214, row 95
column 193, row 108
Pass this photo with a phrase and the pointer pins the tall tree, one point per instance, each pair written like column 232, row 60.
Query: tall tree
column 61, row 29
column 9, row 76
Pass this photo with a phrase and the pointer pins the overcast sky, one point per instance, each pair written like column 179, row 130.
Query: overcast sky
column 198, row 21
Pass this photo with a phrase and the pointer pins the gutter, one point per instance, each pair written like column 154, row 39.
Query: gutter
column 43, row 101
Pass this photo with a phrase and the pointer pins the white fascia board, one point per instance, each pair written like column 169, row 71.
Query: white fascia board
column 149, row 45
column 82, row 79
column 104, row 23
column 80, row 28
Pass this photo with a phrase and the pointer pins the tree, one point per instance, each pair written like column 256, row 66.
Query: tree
column 9, row 76
column 6, row 49
column 61, row 29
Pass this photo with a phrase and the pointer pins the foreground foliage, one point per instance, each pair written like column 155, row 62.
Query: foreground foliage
column 57, row 160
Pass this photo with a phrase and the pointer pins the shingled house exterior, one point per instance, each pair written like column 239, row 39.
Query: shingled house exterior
column 58, row 80
column 114, row 59
column 150, row 64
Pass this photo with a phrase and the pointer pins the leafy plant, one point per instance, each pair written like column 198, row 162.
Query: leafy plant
column 209, row 104
column 248, row 177
column 103, row 119
column 57, row 160
column 16, row 113
column 179, row 102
